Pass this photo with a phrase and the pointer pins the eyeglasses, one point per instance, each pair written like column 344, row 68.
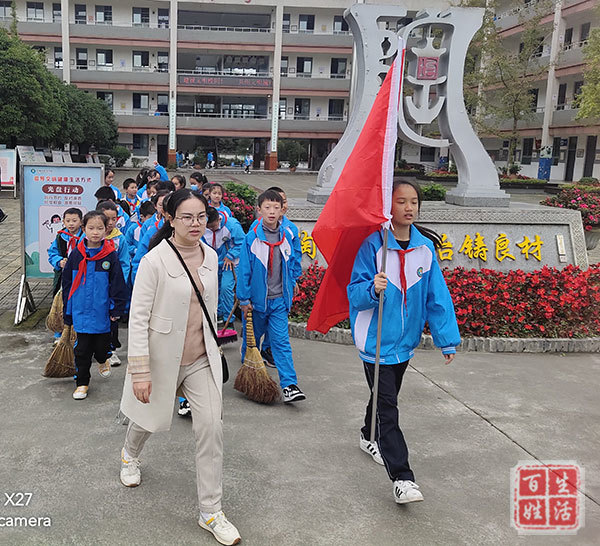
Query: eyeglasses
column 188, row 219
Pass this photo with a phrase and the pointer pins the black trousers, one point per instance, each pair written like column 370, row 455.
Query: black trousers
column 388, row 435
column 88, row 345
column 114, row 335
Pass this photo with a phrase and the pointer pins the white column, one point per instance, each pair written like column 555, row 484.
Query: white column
column 66, row 47
column 276, row 77
column 551, row 84
column 173, row 76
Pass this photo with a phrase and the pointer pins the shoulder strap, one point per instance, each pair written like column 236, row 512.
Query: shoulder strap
column 198, row 295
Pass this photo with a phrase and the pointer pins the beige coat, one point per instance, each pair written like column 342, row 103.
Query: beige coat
column 157, row 324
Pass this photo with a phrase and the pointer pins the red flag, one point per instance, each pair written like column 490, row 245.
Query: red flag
column 360, row 202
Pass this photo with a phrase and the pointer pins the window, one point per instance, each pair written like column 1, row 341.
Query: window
column 427, row 154
column 304, row 67
column 336, row 109
column 585, row 32
column 104, row 15
column 140, row 17
column 162, row 61
column 339, row 25
column 162, row 101
column 107, row 97
column 35, row 11
column 534, row 98
column 140, row 144
column 286, row 22
column 5, row 9
column 306, row 23
column 282, row 108
column 577, row 91
column 81, row 59
column 56, row 13
column 80, row 14
column 163, row 17
column 141, row 60
column 284, row 66
column 527, row 151
column 58, row 57
column 568, row 38
column 302, row 109
column 555, row 150
column 104, row 59
column 338, row 68
column 140, row 103
column 562, row 96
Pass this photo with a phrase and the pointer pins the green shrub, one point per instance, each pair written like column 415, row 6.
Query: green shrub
column 120, row 154
column 433, row 192
column 523, row 181
column 588, row 181
column 514, row 168
column 242, row 191
column 137, row 162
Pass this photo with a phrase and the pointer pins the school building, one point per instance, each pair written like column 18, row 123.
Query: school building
column 175, row 71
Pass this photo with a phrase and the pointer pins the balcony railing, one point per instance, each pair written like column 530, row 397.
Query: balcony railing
column 245, row 72
column 221, row 115
column 220, row 28
column 112, row 68
column 575, row 45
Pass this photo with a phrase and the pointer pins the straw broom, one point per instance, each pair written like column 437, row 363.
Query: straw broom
column 54, row 320
column 253, row 379
column 62, row 360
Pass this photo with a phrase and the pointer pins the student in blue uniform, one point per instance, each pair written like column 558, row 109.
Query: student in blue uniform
column 266, row 280
column 105, row 193
column 66, row 240
column 226, row 235
column 216, row 198
column 415, row 293
column 131, row 197
column 94, row 296
column 145, row 211
column 109, row 178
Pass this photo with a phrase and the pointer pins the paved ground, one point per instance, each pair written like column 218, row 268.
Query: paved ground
column 295, row 475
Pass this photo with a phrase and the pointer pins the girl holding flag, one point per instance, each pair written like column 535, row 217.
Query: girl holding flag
column 414, row 293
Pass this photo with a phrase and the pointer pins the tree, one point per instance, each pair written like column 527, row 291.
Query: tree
column 588, row 100
column 499, row 81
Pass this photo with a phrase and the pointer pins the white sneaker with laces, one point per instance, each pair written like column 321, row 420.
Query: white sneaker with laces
column 222, row 529
column 130, row 471
column 371, row 448
column 115, row 360
column 406, row 491
column 104, row 368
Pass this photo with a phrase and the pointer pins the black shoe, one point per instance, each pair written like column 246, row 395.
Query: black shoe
column 292, row 394
column 3, row 217
column 268, row 357
column 184, row 408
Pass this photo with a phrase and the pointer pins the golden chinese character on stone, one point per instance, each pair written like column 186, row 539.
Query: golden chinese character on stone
column 307, row 245
column 531, row 248
column 446, row 252
column 467, row 247
column 502, row 250
column 479, row 247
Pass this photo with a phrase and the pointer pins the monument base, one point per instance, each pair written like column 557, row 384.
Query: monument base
column 497, row 199
column 318, row 195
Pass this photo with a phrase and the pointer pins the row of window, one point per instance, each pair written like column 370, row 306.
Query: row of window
column 229, row 107
column 584, row 34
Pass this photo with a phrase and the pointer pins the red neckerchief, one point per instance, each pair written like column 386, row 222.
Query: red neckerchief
column 73, row 240
column 402, row 253
column 133, row 203
column 106, row 249
column 157, row 222
column 271, row 247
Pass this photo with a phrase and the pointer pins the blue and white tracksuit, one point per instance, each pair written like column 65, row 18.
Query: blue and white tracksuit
column 55, row 253
column 143, row 244
column 222, row 208
column 227, row 241
column 132, row 236
column 122, row 249
column 269, row 315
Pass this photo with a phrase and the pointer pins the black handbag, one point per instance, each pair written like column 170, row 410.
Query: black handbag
column 212, row 328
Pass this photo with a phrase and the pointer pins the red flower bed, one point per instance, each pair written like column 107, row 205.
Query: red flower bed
column 546, row 303
column 241, row 210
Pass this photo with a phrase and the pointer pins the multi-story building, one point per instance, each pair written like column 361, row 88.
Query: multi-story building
column 175, row 71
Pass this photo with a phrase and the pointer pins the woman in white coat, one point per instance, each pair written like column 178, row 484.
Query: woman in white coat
column 172, row 350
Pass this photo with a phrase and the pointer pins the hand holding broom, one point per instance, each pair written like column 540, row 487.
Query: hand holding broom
column 253, row 379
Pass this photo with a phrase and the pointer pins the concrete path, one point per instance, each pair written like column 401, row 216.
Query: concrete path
column 294, row 474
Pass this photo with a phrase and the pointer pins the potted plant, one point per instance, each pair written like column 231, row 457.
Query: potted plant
column 513, row 170
column 587, row 203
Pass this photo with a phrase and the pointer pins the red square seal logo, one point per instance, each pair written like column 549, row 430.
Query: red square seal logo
column 547, row 497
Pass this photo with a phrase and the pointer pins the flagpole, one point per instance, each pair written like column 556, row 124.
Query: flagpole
column 378, row 346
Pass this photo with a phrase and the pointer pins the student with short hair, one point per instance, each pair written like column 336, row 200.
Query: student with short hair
column 109, row 178
column 131, row 196
column 178, row 181
column 216, row 198
column 266, row 280
column 145, row 211
column 94, row 296
column 66, row 240
column 106, row 194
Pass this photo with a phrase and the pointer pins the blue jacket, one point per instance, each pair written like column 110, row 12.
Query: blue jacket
column 118, row 194
column 253, row 268
column 164, row 176
column 293, row 231
column 132, row 236
column 228, row 239
column 223, row 208
column 122, row 251
column 58, row 249
column 427, row 299
column 101, row 296
column 143, row 244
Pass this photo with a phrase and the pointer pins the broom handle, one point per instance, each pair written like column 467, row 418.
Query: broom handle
column 250, row 340
column 234, row 305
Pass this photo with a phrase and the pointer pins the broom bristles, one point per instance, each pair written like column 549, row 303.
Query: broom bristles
column 54, row 320
column 254, row 380
column 62, row 360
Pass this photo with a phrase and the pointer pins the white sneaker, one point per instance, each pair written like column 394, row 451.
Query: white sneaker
column 130, row 471
column 104, row 368
column 80, row 392
column 406, row 491
column 222, row 529
column 115, row 360
column 371, row 448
